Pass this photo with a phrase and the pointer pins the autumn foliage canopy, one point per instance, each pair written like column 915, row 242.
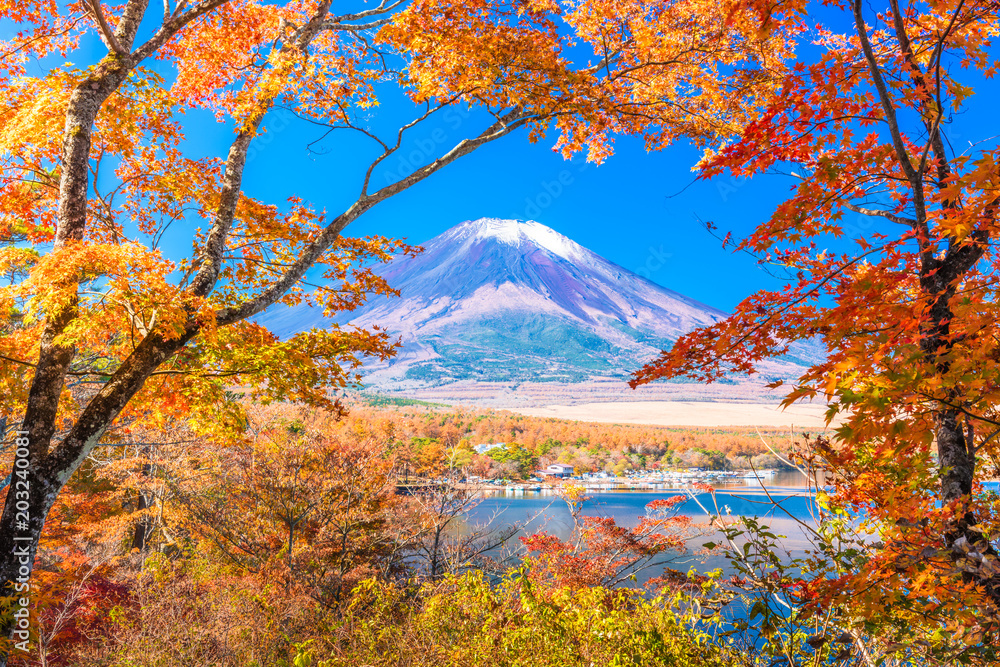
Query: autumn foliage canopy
column 886, row 249
column 109, row 341
column 108, row 337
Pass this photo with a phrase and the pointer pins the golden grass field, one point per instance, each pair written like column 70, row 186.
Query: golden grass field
column 686, row 413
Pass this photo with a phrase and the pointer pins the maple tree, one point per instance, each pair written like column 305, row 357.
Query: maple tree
column 602, row 553
column 103, row 334
column 298, row 504
column 907, row 310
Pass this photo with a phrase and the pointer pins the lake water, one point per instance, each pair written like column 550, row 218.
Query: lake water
column 537, row 511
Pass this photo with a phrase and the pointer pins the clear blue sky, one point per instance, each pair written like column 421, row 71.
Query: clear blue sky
column 634, row 209
column 639, row 209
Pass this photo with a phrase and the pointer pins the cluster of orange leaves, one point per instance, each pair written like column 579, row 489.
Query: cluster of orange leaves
column 601, row 552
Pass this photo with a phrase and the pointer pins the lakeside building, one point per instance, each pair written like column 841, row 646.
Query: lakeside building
column 556, row 470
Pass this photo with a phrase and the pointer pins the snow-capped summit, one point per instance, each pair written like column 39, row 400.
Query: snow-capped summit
column 518, row 233
column 512, row 300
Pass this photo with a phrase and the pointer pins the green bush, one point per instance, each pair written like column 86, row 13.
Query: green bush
column 467, row 622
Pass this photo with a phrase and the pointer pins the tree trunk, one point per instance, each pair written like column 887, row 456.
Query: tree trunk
column 144, row 526
column 43, row 475
column 35, row 492
column 957, row 463
column 955, row 445
column 48, row 471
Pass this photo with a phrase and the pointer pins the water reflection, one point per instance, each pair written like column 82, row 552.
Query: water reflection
column 536, row 511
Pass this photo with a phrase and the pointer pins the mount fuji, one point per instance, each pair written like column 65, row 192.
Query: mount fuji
column 509, row 301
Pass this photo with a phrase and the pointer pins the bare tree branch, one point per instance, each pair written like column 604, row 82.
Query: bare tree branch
column 104, row 30
column 909, row 222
